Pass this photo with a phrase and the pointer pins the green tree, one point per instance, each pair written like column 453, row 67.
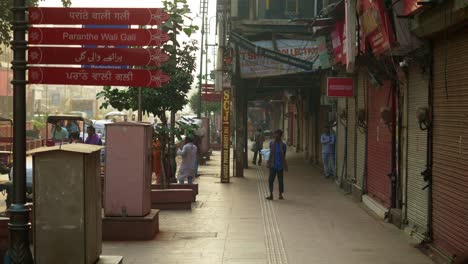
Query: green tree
column 207, row 107
column 6, row 18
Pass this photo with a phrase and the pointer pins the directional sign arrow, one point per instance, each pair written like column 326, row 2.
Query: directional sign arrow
column 97, row 56
column 91, row 76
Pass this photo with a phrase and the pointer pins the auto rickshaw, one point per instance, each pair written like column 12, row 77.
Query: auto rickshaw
column 80, row 129
column 83, row 123
column 116, row 116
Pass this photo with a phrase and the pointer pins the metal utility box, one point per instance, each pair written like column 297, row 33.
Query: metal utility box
column 67, row 204
column 127, row 181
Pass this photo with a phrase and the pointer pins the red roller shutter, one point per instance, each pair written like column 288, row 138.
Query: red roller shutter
column 450, row 144
column 379, row 147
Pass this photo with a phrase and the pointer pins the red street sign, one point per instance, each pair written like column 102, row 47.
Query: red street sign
column 91, row 76
column 97, row 56
column 340, row 87
column 211, row 97
column 97, row 16
column 97, row 36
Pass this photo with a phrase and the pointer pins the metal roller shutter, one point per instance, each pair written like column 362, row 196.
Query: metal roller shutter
column 379, row 145
column 450, row 144
column 340, row 141
column 351, row 138
column 417, row 198
column 360, row 133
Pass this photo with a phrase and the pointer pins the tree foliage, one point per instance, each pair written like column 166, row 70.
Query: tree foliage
column 6, row 18
column 173, row 95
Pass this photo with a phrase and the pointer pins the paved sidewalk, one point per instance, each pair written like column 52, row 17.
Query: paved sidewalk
column 233, row 223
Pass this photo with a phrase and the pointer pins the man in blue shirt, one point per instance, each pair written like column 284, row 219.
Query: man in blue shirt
column 59, row 133
column 328, row 152
column 277, row 163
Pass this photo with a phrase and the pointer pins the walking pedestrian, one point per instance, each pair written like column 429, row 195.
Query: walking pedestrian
column 328, row 152
column 277, row 163
column 196, row 142
column 258, row 146
column 189, row 154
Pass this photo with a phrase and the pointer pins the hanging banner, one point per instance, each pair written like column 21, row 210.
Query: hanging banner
column 340, row 87
column 337, row 42
column 254, row 65
column 97, row 16
column 376, row 25
column 226, row 136
column 410, row 6
column 97, row 56
column 104, row 77
column 97, row 36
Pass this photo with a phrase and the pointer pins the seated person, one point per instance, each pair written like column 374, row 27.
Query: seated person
column 59, row 133
column 72, row 127
column 92, row 138
column 75, row 137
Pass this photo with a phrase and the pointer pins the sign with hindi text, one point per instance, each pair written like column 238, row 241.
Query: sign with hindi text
column 97, row 16
column 104, row 77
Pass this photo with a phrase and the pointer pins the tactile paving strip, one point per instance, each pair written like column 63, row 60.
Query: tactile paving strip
column 274, row 243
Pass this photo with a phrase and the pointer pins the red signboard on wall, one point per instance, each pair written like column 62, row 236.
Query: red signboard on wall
column 86, row 76
column 97, row 16
column 340, row 87
column 97, row 36
column 98, row 56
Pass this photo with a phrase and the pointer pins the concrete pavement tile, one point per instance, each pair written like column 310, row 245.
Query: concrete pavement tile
column 254, row 243
column 244, row 253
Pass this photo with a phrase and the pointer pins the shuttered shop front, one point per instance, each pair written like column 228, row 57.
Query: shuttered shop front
column 450, row 144
column 340, row 141
column 417, row 196
column 351, row 139
column 379, row 144
column 360, row 132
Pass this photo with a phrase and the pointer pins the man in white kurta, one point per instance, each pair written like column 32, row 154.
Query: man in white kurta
column 188, row 154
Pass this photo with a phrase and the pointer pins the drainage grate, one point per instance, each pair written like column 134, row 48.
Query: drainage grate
column 195, row 235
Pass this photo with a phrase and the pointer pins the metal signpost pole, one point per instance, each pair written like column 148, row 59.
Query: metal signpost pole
column 204, row 8
column 19, row 225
